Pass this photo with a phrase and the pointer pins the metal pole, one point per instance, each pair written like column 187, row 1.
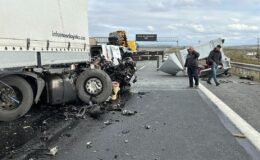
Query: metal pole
column 258, row 54
column 177, row 46
column 158, row 63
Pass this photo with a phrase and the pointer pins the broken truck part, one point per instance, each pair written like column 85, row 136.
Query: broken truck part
column 51, row 65
column 117, row 62
column 116, row 89
column 175, row 62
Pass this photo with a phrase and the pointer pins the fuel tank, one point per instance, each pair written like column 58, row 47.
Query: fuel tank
column 60, row 89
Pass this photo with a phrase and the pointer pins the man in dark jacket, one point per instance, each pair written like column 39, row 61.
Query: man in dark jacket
column 214, row 59
column 192, row 65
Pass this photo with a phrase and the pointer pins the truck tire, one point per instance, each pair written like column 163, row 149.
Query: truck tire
column 94, row 85
column 22, row 92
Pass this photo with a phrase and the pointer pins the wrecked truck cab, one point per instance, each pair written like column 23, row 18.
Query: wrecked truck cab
column 116, row 61
column 108, row 53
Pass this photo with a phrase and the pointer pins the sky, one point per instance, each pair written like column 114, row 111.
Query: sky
column 190, row 21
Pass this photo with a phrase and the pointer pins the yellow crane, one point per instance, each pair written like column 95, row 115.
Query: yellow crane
column 120, row 38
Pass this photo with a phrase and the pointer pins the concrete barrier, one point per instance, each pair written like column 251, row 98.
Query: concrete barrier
column 243, row 69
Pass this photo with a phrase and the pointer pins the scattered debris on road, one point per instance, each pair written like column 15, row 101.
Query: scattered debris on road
column 82, row 112
column 142, row 93
column 117, row 120
column 108, row 122
column 89, row 144
column 125, row 131
column 239, row 135
column 53, row 151
column 42, row 128
column 249, row 83
column 26, row 127
column 251, row 78
column 147, row 127
column 225, row 81
column 66, row 135
column 95, row 110
column 128, row 112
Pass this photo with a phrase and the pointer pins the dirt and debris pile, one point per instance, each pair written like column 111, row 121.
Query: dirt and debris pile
column 247, row 77
column 42, row 123
column 128, row 112
column 225, row 81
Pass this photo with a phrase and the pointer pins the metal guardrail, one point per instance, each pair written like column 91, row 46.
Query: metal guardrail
column 250, row 67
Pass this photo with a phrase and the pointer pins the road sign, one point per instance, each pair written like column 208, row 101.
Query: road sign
column 146, row 37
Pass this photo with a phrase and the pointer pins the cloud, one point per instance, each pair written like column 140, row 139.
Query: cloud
column 187, row 3
column 168, row 5
column 150, row 28
column 242, row 27
column 197, row 27
column 159, row 6
column 256, row 2
column 235, row 20
column 114, row 27
column 172, row 27
column 202, row 20
column 196, row 3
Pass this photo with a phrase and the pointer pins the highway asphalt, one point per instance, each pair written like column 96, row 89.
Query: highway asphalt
column 172, row 122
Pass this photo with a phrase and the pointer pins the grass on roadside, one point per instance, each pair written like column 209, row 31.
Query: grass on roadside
column 240, row 55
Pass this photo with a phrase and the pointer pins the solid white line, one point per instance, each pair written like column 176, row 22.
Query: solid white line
column 142, row 67
column 252, row 134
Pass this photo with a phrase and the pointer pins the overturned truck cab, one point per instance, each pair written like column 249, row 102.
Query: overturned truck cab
column 175, row 62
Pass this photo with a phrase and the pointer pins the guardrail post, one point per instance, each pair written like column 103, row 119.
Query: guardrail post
column 28, row 43
column 158, row 63
column 48, row 45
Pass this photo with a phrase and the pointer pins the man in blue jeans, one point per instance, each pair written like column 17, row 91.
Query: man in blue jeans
column 214, row 59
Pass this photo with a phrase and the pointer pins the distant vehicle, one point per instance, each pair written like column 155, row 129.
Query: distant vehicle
column 45, row 56
column 175, row 62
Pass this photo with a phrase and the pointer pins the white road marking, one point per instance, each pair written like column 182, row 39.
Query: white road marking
column 251, row 134
column 142, row 67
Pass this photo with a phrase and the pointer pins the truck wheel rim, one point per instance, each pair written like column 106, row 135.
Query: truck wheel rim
column 93, row 86
column 10, row 99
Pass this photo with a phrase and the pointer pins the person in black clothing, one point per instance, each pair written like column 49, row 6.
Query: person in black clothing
column 192, row 66
column 214, row 59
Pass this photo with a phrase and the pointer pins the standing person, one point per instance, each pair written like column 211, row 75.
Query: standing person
column 192, row 64
column 214, row 59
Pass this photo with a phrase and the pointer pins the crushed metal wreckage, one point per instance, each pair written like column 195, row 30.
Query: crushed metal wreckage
column 117, row 62
column 175, row 63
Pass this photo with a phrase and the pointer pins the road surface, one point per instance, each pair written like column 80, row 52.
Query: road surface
column 184, row 125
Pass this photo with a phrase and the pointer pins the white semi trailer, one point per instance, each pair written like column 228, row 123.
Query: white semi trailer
column 44, row 55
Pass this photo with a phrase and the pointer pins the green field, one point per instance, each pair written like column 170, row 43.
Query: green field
column 240, row 55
